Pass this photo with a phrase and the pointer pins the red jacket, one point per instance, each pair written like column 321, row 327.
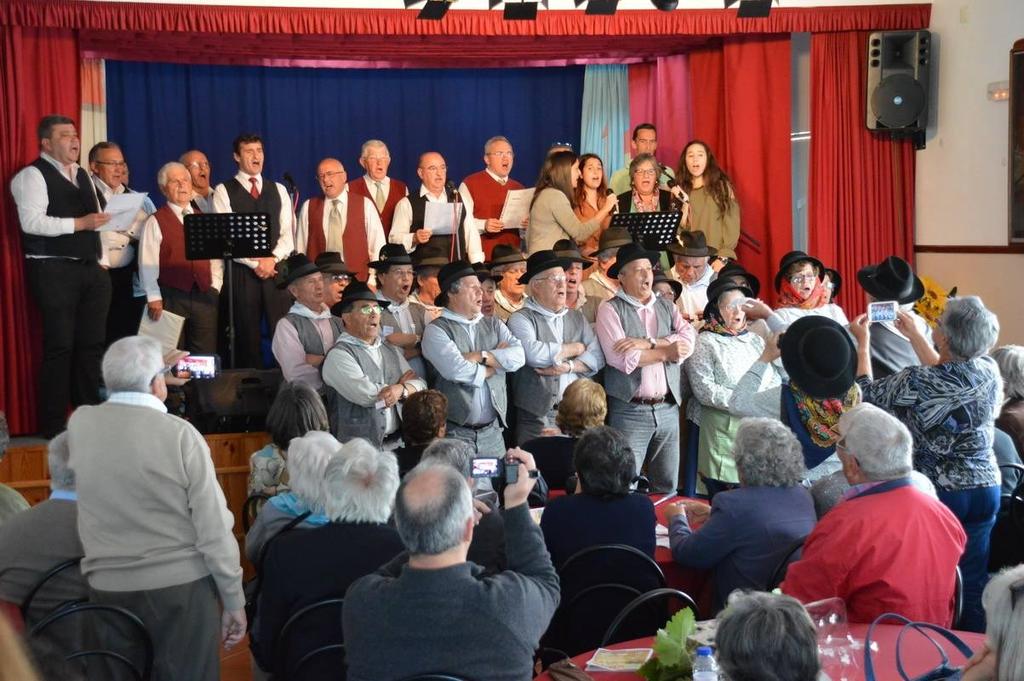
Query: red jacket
column 890, row 550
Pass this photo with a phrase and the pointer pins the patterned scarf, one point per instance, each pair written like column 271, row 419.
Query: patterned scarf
column 714, row 323
column 646, row 206
column 790, row 297
column 820, row 417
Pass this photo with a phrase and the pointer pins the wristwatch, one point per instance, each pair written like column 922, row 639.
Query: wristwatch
column 483, row 358
column 653, row 343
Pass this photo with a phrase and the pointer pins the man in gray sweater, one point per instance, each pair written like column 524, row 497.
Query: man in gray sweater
column 438, row 613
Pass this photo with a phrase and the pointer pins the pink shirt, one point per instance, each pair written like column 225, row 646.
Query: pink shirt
column 609, row 331
column 290, row 354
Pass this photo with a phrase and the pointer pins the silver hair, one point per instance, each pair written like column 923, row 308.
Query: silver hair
column 766, row 636
column 57, row 452
column 767, row 454
column 883, row 446
column 432, row 525
column 161, row 175
column 376, row 144
column 308, row 457
column 131, row 364
column 496, row 138
column 641, row 159
column 1006, row 622
column 607, row 254
column 456, row 453
column 970, row 328
column 360, row 483
column 501, row 269
column 1010, row 359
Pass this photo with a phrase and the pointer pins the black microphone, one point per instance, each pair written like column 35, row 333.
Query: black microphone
column 669, row 180
column 289, row 182
column 615, row 198
column 451, row 192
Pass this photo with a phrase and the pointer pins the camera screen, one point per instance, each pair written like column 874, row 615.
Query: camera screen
column 198, row 366
column 485, row 467
column 882, row 312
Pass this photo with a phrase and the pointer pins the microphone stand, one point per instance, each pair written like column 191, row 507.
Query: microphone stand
column 456, row 201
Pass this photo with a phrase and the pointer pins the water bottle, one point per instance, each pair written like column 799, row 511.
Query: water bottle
column 704, row 667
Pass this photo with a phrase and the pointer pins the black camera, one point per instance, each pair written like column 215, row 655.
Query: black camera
column 496, row 467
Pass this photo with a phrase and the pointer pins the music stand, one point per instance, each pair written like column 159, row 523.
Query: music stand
column 215, row 236
column 651, row 230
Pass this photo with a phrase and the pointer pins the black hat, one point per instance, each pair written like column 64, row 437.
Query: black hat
column 791, row 258
column 691, row 245
column 391, row 254
column 628, row 254
column 614, row 237
column 503, row 254
column 835, row 279
column 819, row 356
column 720, row 286
column 483, row 272
column 892, row 279
column 354, row 292
column 330, row 262
column 429, row 256
column 734, row 269
column 540, row 261
column 296, row 266
column 451, row 273
column 660, row 278
column 567, row 249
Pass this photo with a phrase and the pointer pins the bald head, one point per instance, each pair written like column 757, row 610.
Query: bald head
column 433, row 508
column 331, row 175
column 432, row 172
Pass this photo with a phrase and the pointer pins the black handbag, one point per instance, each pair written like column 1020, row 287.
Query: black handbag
column 943, row 671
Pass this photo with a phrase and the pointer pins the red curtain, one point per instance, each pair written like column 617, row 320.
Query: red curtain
column 861, row 193
column 659, row 93
column 30, row 92
column 741, row 109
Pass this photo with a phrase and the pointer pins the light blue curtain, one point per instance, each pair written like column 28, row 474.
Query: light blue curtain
column 605, row 113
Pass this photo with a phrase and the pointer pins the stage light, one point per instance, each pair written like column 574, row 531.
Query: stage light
column 491, row 4
column 434, row 10
column 665, row 5
column 520, row 11
column 606, row 7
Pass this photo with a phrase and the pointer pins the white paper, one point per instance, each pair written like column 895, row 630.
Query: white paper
column 516, row 208
column 440, row 218
column 122, row 209
column 166, row 330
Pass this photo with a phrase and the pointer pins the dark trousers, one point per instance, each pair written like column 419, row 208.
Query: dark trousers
column 125, row 308
column 976, row 509
column 200, row 312
column 254, row 299
column 182, row 620
column 73, row 297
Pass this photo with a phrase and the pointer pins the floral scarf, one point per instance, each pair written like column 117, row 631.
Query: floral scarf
column 714, row 323
column 646, row 206
column 821, row 417
column 790, row 297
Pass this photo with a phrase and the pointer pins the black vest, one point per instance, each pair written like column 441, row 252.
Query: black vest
column 443, row 242
column 269, row 202
column 65, row 200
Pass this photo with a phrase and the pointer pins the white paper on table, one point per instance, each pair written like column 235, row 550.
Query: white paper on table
column 660, row 530
column 441, row 218
column 122, row 209
column 663, row 542
column 516, row 208
column 623, row 660
column 166, row 330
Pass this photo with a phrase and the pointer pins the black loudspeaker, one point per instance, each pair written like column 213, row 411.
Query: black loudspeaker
column 236, row 401
column 899, row 63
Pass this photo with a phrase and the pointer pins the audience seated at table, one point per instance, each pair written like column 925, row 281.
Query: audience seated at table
column 297, row 409
column 356, row 494
column 766, row 637
column 887, row 547
column 747, row 531
column 603, row 511
column 424, row 420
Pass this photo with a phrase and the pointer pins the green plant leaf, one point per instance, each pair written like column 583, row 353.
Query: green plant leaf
column 670, row 642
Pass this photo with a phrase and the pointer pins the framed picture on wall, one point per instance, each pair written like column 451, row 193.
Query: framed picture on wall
column 1016, row 193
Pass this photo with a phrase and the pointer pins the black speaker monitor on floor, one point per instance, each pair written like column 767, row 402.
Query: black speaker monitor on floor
column 898, row 68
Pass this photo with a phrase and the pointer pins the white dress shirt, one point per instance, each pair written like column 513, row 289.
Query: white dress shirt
column 401, row 226
column 374, row 229
column 117, row 246
column 288, row 349
column 467, row 199
column 32, row 198
column 694, row 297
column 285, row 240
column 205, row 203
column 149, row 258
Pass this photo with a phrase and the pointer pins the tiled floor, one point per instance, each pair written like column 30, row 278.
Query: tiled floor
column 234, row 664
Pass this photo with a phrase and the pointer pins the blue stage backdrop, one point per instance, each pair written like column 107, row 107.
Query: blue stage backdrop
column 157, row 111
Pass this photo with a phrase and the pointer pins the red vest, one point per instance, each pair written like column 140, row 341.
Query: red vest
column 488, row 199
column 175, row 271
column 357, row 251
column 395, row 194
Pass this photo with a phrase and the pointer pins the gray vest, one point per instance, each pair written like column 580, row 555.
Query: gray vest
column 461, row 396
column 890, row 354
column 624, row 386
column 530, row 391
column 309, row 336
column 416, row 313
column 350, row 420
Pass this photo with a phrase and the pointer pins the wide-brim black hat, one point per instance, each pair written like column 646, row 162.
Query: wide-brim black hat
column 330, row 262
column 891, row 279
column 503, row 254
column 614, row 237
column 692, row 245
column 567, row 248
column 629, row 253
column 734, row 269
column 721, row 286
column 429, row 256
column 391, row 254
column 540, row 261
column 354, row 292
column 791, row 258
column 677, row 286
column 484, row 273
column 293, row 268
column 819, row 356
column 452, row 272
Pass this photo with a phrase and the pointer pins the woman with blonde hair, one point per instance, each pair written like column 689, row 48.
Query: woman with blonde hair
column 584, row 405
column 552, row 215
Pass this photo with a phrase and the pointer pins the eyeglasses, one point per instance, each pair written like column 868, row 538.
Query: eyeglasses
column 327, row 176
column 647, row 172
column 501, row 154
column 340, row 277
column 377, row 159
column 736, row 304
column 199, row 164
column 435, row 169
column 401, row 272
column 798, row 279
column 116, row 164
column 370, row 309
column 557, row 278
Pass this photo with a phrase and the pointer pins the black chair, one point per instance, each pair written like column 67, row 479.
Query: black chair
column 1007, row 536
column 647, row 613
column 792, row 554
column 294, row 669
column 251, row 508
column 1015, row 500
column 610, row 564
column 57, row 569
column 435, row 677
column 142, row 641
column 958, row 598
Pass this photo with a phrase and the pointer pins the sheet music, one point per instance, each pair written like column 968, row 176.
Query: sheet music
column 166, row 330
column 440, row 218
column 122, row 209
column 516, row 208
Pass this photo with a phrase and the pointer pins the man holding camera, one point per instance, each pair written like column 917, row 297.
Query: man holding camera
column 438, row 613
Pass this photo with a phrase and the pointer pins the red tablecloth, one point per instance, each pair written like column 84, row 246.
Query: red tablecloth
column 695, row 583
column 12, row 614
column 918, row 655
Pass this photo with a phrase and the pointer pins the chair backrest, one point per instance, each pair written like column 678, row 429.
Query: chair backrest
column 580, row 622
column 142, row 640
column 958, row 598
column 42, row 581
column 609, row 564
column 647, row 613
column 792, row 554
column 1016, row 498
column 435, row 677
column 292, row 666
column 251, row 508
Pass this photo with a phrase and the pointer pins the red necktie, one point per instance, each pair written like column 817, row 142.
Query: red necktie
column 254, row 191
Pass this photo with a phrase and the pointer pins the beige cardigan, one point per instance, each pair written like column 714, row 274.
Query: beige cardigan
column 552, row 218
